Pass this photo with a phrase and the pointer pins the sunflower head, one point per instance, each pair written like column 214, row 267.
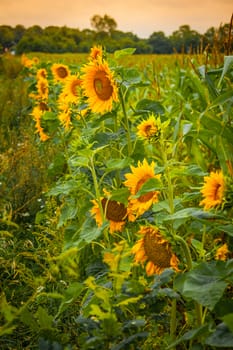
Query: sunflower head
column 43, row 88
column 213, row 190
column 222, row 252
column 41, row 73
column 134, row 181
column 60, row 72
column 154, row 251
column 113, row 211
column 96, row 53
column 99, row 86
column 149, row 129
column 72, row 88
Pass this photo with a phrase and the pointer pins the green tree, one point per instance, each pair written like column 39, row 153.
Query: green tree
column 185, row 39
column 103, row 24
column 160, row 43
column 6, row 37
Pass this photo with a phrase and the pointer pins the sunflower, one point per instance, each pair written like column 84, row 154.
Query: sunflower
column 222, row 252
column 149, row 128
column 41, row 73
column 43, row 88
column 37, row 114
column 135, row 180
column 213, row 190
column 71, row 88
column 60, row 71
column 99, row 86
column 114, row 212
column 154, row 250
column 65, row 118
column 96, row 53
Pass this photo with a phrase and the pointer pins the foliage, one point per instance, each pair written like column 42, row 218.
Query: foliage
column 69, row 276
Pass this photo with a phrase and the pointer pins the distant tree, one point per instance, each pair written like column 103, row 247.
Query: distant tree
column 103, row 24
column 160, row 43
column 185, row 39
column 19, row 31
column 6, row 37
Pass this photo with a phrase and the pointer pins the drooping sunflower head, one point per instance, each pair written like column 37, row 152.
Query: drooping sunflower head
column 213, row 190
column 134, row 181
column 60, row 72
column 115, row 212
column 150, row 128
column 43, row 88
column 96, row 52
column 99, row 86
column 155, row 251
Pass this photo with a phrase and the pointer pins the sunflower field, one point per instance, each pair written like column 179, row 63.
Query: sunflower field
column 116, row 201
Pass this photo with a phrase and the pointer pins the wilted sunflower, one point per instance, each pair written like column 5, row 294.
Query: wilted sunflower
column 96, row 52
column 213, row 190
column 43, row 88
column 149, row 128
column 114, row 212
column 154, row 250
column 60, row 72
column 140, row 174
column 222, row 252
column 71, row 88
column 99, row 86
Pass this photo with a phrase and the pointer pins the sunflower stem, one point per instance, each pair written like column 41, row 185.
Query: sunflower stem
column 96, row 186
column 126, row 122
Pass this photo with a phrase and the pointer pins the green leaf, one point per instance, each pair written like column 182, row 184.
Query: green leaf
column 150, row 185
column 117, row 163
column 68, row 211
column 205, row 283
column 49, row 116
column 226, row 228
column 124, row 52
column 228, row 62
column 120, row 195
column 147, row 105
column 63, row 188
column 221, row 338
column 193, row 334
column 45, row 320
column 90, row 231
column 228, row 320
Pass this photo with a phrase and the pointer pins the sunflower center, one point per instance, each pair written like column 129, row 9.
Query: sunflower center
column 74, row 87
column 62, row 72
column 115, row 211
column 147, row 196
column 43, row 88
column 157, row 252
column 43, row 106
column 102, row 86
column 217, row 192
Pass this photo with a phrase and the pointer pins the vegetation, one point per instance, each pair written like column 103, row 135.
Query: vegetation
column 116, row 178
column 55, row 39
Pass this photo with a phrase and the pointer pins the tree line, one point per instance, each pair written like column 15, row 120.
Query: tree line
column 55, row 39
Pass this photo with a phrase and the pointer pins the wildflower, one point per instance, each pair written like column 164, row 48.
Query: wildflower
column 222, row 252
column 135, row 180
column 60, row 71
column 154, row 250
column 213, row 190
column 99, row 86
column 114, row 211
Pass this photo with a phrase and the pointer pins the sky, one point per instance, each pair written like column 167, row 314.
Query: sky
column 141, row 17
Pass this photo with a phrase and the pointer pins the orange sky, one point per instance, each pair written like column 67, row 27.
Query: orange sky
column 142, row 17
